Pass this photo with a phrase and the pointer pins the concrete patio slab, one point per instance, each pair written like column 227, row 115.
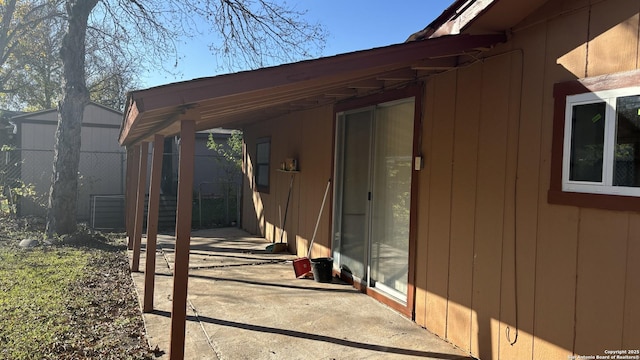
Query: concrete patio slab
column 245, row 303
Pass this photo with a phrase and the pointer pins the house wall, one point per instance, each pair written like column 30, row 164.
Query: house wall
column 494, row 257
column 307, row 136
column 500, row 272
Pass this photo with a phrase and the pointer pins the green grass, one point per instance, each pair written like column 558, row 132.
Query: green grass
column 73, row 299
column 34, row 295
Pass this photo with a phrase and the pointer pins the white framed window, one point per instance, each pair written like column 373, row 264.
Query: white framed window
column 601, row 149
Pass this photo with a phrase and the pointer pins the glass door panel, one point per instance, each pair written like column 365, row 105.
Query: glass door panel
column 392, row 166
column 353, row 182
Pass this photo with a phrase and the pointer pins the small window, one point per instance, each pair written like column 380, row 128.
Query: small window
column 602, row 143
column 263, row 154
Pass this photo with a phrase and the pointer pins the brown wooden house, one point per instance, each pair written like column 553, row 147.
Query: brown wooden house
column 485, row 174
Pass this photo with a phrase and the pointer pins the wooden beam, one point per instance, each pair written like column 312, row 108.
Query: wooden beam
column 127, row 194
column 132, row 181
column 133, row 111
column 166, row 122
column 445, row 63
column 183, row 239
column 302, row 104
column 398, row 75
column 382, row 58
column 367, row 84
column 340, row 93
column 317, row 75
column 140, row 191
column 152, row 223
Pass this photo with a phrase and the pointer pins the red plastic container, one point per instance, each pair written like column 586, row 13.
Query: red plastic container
column 301, row 266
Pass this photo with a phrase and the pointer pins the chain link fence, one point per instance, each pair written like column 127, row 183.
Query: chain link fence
column 25, row 179
column 625, row 173
column 216, row 188
column 217, row 205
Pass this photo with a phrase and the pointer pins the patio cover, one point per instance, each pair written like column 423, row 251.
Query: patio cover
column 233, row 100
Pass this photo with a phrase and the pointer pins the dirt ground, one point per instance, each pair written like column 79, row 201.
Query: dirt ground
column 107, row 323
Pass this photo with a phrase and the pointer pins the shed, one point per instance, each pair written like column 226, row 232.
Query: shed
column 102, row 167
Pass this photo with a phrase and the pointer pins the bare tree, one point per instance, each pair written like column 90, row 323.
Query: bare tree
column 244, row 33
column 62, row 207
column 109, row 74
column 32, row 73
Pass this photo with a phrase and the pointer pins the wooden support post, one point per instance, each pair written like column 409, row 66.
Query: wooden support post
column 152, row 222
column 127, row 194
column 183, row 239
column 131, row 190
column 140, row 190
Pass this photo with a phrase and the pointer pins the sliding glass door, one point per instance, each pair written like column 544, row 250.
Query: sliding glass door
column 373, row 195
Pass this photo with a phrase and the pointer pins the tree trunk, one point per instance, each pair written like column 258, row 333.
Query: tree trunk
column 62, row 207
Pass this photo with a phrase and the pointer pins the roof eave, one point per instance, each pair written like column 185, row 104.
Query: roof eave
column 283, row 80
column 454, row 19
column 131, row 114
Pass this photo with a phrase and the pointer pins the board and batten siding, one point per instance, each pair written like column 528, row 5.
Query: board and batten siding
column 487, row 133
column 500, row 272
column 308, row 137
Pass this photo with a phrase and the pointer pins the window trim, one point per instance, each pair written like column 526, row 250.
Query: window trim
column 262, row 188
column 561, row 92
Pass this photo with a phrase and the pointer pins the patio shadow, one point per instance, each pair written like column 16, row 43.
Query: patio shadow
column 348, row 288
column 323, row 338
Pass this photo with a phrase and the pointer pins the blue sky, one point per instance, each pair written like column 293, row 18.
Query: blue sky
column 352, row 25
